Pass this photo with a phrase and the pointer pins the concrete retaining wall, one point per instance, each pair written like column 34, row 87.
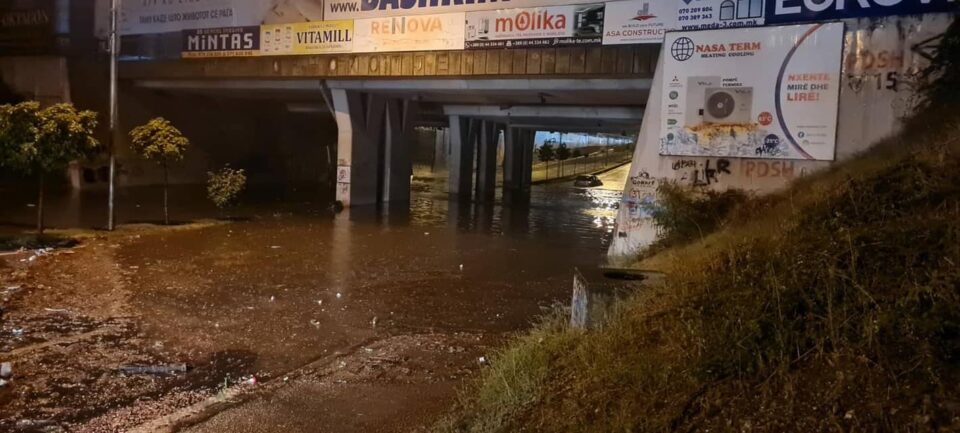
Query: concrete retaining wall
column 882, row 59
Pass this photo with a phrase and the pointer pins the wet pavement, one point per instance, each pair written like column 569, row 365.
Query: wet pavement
column 359, row 321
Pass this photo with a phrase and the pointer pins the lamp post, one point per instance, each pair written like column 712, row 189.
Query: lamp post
column 114, row 52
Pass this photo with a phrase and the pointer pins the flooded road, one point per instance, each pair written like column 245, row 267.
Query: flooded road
column 424, row 291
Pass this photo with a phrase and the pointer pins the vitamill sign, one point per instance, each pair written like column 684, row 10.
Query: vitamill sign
column 768, row 92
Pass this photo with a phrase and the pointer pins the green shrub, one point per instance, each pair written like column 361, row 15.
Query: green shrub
column 686, row 214
column 225, row 185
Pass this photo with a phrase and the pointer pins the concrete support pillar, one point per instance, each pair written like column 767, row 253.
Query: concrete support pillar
column 487, row 161
column 360, row 120
column 397, row 167
column 526, row 158
column 463, row 135
column 518, row 159
column 441, row 148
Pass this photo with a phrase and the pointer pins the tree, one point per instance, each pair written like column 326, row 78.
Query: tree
column 159, row 141
column 563, row 154
column 577, row 153
column 940, row 81
column 546, row 153
column 37, row 141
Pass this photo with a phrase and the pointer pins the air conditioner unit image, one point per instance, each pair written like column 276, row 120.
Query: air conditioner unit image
column 480, row 30
column 728, row 105
column 696, row 90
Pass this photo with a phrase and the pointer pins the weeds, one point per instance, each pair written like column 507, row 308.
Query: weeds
column 842, row 312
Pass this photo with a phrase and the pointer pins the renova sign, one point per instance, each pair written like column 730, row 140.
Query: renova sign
column 785, row 11
column 413, row 33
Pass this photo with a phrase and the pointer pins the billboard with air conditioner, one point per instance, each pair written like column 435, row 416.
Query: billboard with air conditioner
column 769, row 92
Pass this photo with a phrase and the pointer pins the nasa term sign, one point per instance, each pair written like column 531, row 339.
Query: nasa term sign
column 769, row 92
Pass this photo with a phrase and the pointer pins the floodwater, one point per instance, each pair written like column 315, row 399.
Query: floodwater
column 292, row 287
column 293, row 283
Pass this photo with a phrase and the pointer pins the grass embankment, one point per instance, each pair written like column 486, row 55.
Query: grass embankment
column 832, row 306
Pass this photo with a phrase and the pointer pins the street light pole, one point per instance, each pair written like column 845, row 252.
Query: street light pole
column 114, row 51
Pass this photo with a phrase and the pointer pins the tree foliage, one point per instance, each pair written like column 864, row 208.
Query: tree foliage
column 563, row 152
column 546, row 152
column 40, row 140
column 159, row 141
column 224, row 185
column 940, row 81
column 37, row 141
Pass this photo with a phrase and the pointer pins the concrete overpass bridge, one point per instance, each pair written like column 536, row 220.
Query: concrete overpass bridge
column 377, row 99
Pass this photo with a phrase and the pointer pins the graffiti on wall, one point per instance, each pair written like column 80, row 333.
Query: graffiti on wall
column 700, row 173
column 752, row 169
column 640, row 199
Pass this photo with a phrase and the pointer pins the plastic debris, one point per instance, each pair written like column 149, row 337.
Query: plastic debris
column 482, row 360
column 154, row 369
column 373, row 322
column 315, row 323
column 274, row 247
column 461, row 267
column 272, row 298
column 338, row 295
column 17, row 332
column 320, row 302
column 251, row 380
column 6, row 370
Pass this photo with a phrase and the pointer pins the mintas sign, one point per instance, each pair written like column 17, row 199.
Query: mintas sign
column 787, row 11
column 221, row 42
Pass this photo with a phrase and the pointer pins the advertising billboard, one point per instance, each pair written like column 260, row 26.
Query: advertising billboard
column 768, row 92
column 637, row 22
column 346, row 9
column 718, row 14
column 413, row 33
column 317, row 37
column 221, row 42
column 535, row 27
column 156, row 16
column 26, row 27
column 788, row 11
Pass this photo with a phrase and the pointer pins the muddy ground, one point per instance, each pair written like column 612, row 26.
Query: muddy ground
column 288, row 321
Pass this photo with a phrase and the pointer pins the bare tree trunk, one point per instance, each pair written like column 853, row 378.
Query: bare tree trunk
column 166, row 214
column 40, row 206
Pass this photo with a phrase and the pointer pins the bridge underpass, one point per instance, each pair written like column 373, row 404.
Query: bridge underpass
column 375, row 121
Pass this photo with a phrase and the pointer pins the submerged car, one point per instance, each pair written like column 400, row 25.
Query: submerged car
column 587, row 181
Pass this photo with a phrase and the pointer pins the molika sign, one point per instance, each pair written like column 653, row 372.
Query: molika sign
column 788, row 11
column 535, row 27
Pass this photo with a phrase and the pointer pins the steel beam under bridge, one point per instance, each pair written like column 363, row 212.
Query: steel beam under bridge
column 553, row 117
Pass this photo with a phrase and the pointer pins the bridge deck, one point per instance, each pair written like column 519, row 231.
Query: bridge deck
column 597, row 62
